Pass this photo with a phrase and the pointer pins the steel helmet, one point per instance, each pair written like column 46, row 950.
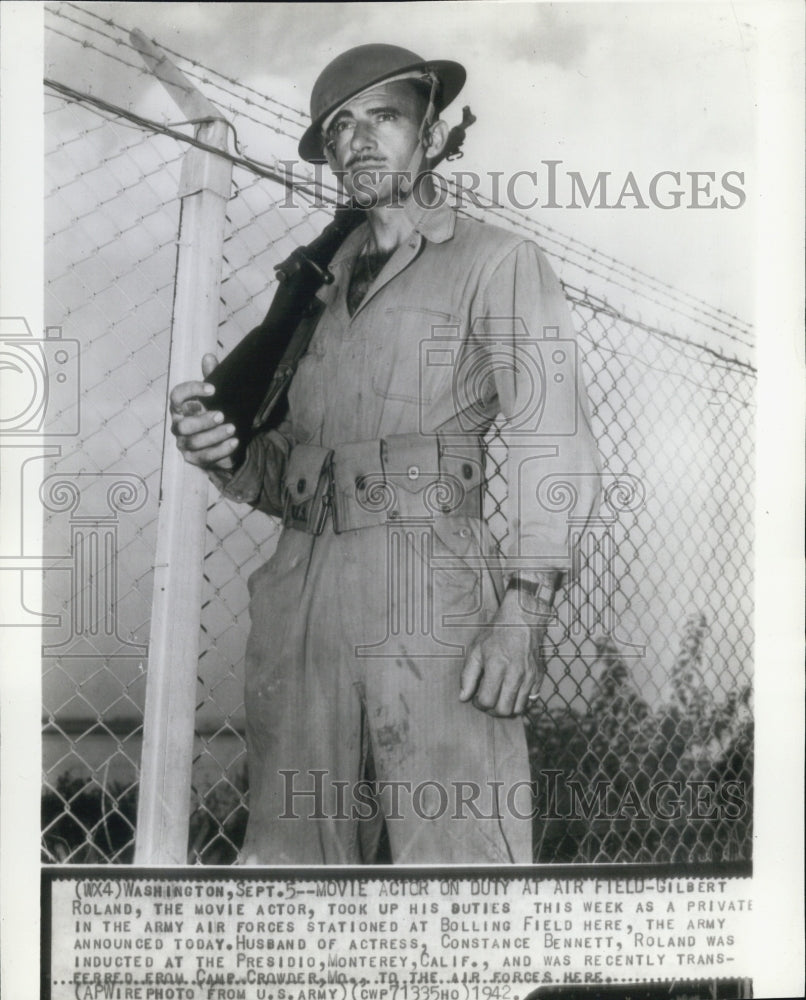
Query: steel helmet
column 366, row 66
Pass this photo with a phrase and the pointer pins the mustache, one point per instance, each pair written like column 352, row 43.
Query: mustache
column 362, row 158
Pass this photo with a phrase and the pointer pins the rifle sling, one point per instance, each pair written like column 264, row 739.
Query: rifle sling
column 281, row 379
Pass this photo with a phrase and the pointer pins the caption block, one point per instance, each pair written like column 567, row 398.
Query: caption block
column 407, row 938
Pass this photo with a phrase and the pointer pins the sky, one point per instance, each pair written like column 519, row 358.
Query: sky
column 622, row 88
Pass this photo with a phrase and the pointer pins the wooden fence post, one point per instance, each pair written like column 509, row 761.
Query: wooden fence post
column 163, row 811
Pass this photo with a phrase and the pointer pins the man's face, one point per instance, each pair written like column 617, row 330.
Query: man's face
column 373, row 136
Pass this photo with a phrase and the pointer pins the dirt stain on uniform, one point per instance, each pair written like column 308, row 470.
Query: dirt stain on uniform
column 391, row 738
column 408, row 662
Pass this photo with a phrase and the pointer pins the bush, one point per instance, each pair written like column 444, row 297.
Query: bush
column 86, row 823
column 629, row 746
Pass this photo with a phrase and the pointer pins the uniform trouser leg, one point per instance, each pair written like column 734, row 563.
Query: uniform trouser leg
column 303, row 714
column 337, row 650
column 460, row 778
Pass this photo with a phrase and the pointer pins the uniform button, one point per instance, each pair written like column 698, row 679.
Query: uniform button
column 464, row 532
column 301, row 486
column 413, row 472
column 467, row 470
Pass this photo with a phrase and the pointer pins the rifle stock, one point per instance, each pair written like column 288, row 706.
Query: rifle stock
column 252, row 380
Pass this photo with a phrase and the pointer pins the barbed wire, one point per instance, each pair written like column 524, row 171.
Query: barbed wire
column 144, row 71
column 592, row 256
column 319, row 195
column 109, row 22
column 585, row 298
column 636, row 359
column 599, row 264
column 148, row 124
column 569, row 242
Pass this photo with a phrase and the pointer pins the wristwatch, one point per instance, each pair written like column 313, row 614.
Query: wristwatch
column 541, row 591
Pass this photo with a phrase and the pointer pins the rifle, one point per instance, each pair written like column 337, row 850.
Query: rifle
column 252, row 381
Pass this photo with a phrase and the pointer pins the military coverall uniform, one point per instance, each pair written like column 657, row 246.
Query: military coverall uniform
column 360, row 631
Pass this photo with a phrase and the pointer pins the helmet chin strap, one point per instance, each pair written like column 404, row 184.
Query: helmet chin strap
column 430, row 111
column 423, row 133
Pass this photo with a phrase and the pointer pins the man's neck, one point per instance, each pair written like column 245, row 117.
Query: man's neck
column 391, row 225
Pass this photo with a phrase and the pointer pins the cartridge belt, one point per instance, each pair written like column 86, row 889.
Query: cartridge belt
column 368, row 483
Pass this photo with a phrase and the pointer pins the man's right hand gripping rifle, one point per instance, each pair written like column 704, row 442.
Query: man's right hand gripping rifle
column 203, row 436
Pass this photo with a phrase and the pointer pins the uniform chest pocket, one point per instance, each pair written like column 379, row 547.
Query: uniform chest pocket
column 414, row 354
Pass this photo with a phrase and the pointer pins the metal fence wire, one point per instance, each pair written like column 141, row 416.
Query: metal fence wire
column 649, row 663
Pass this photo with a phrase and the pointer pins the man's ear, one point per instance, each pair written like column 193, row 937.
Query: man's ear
column 435, row 138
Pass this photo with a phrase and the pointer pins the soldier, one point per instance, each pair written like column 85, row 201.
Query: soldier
column 388, row 642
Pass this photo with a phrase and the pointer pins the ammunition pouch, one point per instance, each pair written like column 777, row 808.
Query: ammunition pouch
column 367, row 483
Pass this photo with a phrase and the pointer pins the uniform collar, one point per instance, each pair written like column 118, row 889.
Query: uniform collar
column 436, row 225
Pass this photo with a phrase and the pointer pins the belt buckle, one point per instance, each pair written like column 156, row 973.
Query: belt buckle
column 321, row 505
column 310, row 515
column 296, row 515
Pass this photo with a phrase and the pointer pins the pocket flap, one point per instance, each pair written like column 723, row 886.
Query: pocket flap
column 304, row 471
column 411, row 461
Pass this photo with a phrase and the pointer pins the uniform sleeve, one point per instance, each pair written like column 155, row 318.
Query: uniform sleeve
column 258, row 481
column 553, row 470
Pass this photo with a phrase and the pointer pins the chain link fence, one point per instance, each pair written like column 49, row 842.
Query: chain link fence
column 649, row 664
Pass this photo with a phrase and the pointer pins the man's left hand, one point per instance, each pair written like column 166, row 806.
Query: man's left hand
column 504, row 666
